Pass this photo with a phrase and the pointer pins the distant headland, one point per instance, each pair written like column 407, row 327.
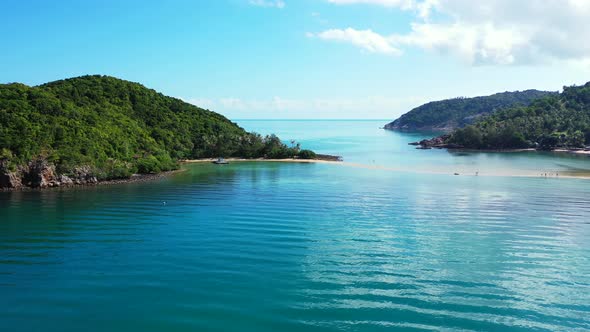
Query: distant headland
column 554, row 122
column 450, row 114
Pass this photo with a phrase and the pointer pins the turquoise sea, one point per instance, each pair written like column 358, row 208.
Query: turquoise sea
column 390, row 240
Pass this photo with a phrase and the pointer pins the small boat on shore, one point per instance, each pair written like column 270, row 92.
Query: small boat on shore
column 221, row 161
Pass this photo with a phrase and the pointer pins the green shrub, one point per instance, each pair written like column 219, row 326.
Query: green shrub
column 307, row 154
column 148, row 165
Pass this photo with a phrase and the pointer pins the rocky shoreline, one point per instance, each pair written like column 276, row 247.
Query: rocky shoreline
column 436, row 142
column 40, row 174
column 327, row 157
column 439, row 143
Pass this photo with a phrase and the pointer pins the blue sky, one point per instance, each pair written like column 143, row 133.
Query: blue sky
column 302, row 58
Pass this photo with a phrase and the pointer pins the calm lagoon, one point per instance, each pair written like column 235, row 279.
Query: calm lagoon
column 389, row 240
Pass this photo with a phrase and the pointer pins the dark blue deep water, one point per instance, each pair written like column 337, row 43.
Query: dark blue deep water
column 389, row 241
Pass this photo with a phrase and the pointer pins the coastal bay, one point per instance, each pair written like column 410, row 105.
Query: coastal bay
column 381, row 238
column 295, row 166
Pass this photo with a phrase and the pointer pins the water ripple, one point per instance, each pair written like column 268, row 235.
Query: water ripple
column 266, row 247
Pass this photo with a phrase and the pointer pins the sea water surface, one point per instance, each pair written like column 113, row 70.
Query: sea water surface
column 393, row 242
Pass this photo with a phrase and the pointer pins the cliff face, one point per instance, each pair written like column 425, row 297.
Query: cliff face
column 39, row 173
column 11, row 180
column 448, row 115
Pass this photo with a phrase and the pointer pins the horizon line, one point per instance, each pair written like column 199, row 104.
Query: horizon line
column 296, row 119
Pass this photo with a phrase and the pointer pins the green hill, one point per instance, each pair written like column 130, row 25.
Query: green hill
column 450, row 114
column 112, row 129
column 557, row 121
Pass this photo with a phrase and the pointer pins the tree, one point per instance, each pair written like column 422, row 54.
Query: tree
column 307, row 154
column 577, row 139
column 469, row 137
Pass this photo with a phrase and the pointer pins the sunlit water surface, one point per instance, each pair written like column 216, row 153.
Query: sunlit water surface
column 402, row 245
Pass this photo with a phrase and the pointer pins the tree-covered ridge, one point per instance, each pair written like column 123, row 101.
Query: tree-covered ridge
column 552, row 122
column 447, row 115
column 117, row 128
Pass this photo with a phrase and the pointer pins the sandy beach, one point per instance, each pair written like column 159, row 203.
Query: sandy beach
column 460, row 172
column 288, row 160
column 580, row 152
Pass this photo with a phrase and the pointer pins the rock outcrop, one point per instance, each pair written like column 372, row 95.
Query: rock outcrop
column 9, row 178
column 436, row 142
column 83, row 175
column 65, row 180
column 39, row 173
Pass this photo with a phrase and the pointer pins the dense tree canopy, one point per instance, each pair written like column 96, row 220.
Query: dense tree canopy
column 556, row 121
column 456, row 113
column 117, row 127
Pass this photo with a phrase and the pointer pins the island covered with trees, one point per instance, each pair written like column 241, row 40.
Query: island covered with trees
column 448, row 115
column 552, row 122
column 94, row 128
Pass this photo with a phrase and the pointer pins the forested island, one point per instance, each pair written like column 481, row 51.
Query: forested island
column 448, row 115
column 552, row 122
column 93, row 128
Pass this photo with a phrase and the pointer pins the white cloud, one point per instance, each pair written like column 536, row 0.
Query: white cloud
column 387, row 3
column 476, row 44
column 288, row 108
column 365, row 39
column 494, row 32
column 268, row 3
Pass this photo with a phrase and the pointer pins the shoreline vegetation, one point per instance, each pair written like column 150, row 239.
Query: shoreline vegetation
column 440, row 143
column 135, row 178
column 91, row 129
column 320, row 158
